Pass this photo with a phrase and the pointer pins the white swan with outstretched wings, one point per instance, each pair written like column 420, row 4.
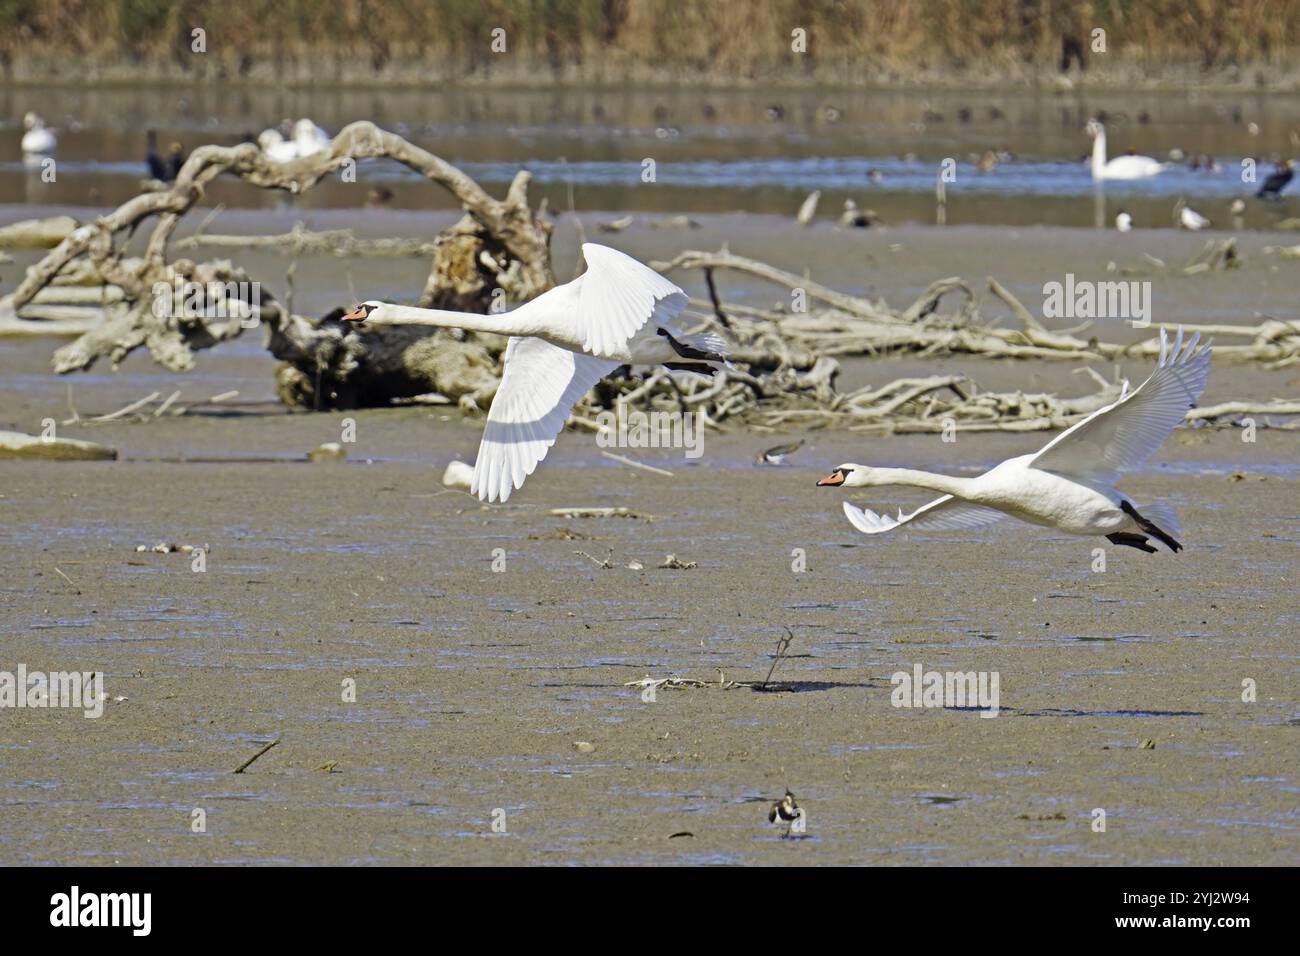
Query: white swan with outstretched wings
column 618, row 312
column 1069, row 485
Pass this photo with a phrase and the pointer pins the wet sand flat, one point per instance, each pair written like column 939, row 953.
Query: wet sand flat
column 473, row 686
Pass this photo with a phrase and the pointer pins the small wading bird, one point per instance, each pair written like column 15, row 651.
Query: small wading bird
column 38, row 140
column 163, row 170
column 778, row 455
column 1189, row 218
column 1069, row 485
column 854, row 218
column 785, row 811
column 1121, row 167
column 618, row 312
column 1123, row 221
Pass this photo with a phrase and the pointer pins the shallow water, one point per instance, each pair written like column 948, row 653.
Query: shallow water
column 723, row 150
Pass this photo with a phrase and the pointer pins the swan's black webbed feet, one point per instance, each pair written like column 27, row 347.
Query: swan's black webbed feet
column 1131, row 540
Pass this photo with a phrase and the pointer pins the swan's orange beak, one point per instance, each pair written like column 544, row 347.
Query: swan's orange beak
column 836, row 477
column 358, row 314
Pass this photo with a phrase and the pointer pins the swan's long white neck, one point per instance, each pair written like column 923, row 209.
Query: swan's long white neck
column 1099, row 154
column 502, row 323
column 944, row 484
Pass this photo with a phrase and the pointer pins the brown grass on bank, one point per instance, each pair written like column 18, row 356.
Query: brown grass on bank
column 609, row 40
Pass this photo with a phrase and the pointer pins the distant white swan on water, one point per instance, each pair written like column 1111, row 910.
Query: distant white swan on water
column 38, row 140
column 1121, row 167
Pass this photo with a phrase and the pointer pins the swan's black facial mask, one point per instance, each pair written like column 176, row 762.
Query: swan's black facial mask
column 359, row 314
column 836, row 477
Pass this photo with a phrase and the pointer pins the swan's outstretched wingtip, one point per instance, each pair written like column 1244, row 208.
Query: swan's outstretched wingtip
column 487, row 490
column 1182, row 351
column 865, row 521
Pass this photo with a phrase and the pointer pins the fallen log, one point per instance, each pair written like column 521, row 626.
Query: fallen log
column 37, row 233
column 37, row 447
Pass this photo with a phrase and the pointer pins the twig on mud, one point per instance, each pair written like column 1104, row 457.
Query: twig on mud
column 680, row 683
column 781, row 647
column 619, row 512
column 249, row 762
column 167, row 403
column 127, row 409
column 636, row 464
column 68, row 579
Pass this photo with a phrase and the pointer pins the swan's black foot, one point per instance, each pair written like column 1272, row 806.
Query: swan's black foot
column 690, row 351
column 1150, row 527
column 1129, row 539
column 708, row 370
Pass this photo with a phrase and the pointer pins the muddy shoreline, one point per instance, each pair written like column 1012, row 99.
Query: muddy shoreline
column 1120, row 690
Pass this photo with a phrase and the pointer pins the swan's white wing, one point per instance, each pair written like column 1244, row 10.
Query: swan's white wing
column 540, row 385
column 1122, row 436
column 618, row 296
column 942, row 514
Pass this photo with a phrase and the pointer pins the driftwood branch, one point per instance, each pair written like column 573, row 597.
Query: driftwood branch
column 300, row 241
column 723, row 259
column 500, row 244
column 855, row 326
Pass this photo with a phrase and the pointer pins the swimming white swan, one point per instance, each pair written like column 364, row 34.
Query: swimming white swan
column 618, row 312
column 38, row 140
column 1121, row 167
column 1069, row 485
column 309, row 138
column 276, row 147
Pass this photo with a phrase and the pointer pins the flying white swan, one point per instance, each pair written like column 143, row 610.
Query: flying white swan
column 38, row 140
column 1069, row 485
column 1121, row 167
column 618, row 312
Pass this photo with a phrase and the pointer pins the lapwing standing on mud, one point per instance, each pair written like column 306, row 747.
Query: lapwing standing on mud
column 785, row 811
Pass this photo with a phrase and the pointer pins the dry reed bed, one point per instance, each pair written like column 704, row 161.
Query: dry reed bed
column 743, row 41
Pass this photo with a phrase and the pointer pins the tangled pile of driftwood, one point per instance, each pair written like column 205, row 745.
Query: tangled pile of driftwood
column 785, row 361
column 789, row 380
